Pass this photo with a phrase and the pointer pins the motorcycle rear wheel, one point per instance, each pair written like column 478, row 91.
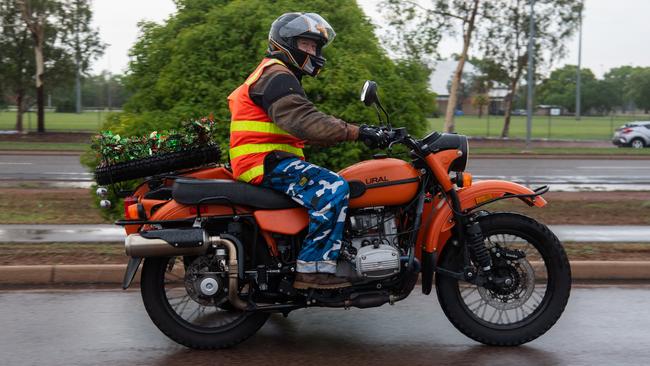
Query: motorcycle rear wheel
column 527, row 309
column 183, row 319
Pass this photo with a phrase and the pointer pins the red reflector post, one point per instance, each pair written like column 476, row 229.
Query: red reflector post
column 129, row 201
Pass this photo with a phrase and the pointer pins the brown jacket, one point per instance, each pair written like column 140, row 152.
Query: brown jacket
column 298, row 116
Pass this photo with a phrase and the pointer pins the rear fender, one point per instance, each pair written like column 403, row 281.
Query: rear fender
column 438, row 232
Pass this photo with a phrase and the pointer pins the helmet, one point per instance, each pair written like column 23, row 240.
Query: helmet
column 283, row 40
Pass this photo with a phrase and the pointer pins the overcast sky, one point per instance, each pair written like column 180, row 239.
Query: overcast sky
column 615, row 33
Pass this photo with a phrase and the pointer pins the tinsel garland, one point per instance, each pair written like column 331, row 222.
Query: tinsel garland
column 112, row 148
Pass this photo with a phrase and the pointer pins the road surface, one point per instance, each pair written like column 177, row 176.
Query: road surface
column 601, row 326
column 113, row 233
column 628, row 174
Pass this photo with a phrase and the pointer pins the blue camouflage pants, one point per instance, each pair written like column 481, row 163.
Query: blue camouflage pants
column 325, row 195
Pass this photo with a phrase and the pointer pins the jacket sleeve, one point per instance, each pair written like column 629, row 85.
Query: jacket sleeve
column 279, row 92
column 298, row 116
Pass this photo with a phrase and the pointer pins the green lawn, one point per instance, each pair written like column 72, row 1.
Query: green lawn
column 83, row 122
column 588, row 128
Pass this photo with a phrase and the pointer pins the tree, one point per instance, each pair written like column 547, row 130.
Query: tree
column 103, row 91
column 37, row 16
column 188, row 66
column 425, row 34
column 504, row 38
column 638, row 88
column 82, row 41
column 479, row 102
column 560, row 89
column 52, row 61
column 16, row 64
column 615, row 82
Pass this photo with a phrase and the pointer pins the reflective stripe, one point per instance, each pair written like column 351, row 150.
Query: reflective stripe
column 251, row 173
column 253, row 78
column 246, row 149
column 257, row 126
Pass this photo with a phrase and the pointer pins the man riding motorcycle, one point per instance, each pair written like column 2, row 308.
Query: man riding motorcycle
column 271, row 122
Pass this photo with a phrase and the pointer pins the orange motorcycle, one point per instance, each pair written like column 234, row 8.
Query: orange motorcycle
column 220, row 255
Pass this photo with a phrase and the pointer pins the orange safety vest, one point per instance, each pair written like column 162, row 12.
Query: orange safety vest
column 253, row 135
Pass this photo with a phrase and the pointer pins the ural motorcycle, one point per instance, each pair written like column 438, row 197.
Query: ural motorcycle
column 220, row 255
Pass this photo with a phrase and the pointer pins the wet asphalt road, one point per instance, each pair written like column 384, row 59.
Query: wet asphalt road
column 113, row 233
column 530, row 171
column 43, row 168
column 601, row 326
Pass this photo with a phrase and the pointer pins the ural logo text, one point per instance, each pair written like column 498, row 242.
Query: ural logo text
column 374, row 180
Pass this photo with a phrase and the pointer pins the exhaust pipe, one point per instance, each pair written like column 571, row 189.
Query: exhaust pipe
column 187, row 242
column 136, row 245
column 233, row 268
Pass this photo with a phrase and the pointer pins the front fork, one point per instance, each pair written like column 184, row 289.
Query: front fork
column 470, row 238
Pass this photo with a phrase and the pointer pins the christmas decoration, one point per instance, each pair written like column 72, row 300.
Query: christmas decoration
column 113, row 149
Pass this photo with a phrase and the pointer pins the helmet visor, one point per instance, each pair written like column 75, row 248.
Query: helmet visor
column 309, row 25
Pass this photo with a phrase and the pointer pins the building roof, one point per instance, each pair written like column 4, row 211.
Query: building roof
column 443, row 72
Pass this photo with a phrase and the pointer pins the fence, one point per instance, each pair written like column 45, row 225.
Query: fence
column 90, row 120
column 543, row 127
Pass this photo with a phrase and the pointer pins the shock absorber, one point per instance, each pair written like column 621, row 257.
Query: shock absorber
column 480, row 254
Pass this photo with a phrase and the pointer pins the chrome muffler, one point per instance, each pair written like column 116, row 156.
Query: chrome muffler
column 187, row 242
column 167, row 242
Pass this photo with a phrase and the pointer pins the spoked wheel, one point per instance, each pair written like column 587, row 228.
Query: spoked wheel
column 186, row 299
column 534, row 286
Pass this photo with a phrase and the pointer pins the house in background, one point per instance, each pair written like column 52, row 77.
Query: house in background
column 440, row 83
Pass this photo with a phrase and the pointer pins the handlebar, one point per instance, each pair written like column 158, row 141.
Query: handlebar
column 401, row 136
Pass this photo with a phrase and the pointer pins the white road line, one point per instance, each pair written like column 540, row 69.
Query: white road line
column 65, row 173
column 614, row 167
column 7, row 163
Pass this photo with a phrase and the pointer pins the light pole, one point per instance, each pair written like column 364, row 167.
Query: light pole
column 531, row 59
column 578, row 96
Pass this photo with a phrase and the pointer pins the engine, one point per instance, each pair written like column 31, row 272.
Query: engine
column 371, row 247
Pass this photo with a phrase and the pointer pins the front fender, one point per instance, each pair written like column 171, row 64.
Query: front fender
column 440, row 229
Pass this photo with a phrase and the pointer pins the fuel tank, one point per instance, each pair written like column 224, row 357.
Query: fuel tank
column 381, row 182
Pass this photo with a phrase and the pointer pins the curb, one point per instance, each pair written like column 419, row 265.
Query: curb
column 61, row 274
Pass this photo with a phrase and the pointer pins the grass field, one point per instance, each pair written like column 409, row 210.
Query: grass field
column 87, row 121
column 588, row 128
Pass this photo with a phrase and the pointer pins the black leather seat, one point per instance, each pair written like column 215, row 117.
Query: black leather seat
column 202, row 191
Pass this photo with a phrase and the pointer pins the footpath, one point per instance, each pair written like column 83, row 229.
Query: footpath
column 112, row 274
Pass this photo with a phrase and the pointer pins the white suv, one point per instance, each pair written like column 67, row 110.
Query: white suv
column 634, row 134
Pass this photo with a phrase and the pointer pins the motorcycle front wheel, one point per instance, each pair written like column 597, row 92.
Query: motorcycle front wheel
column 181, row 312
column 535, row 296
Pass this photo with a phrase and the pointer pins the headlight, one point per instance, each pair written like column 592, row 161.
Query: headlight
column 437, row 142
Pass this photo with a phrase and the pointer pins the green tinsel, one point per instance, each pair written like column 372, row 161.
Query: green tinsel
column 112, row 148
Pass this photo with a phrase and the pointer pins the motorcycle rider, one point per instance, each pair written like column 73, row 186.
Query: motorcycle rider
column 272, row 120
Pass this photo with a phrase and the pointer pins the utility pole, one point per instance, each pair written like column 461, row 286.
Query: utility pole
column 531, row 59
column 578, row 96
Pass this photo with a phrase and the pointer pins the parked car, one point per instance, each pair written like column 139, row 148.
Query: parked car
column 634, row 134
column 519, row 112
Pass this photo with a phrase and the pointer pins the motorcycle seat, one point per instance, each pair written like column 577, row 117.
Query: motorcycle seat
column 204, row 191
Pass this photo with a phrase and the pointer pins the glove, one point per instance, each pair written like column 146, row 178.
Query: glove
column 372, row 136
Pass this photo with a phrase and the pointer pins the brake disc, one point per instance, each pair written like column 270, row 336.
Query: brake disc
column 516, row 296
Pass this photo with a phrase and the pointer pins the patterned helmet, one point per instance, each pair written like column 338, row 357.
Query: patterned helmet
column 283, row 40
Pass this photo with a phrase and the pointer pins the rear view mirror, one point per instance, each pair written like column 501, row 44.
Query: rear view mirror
column 369, row 93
